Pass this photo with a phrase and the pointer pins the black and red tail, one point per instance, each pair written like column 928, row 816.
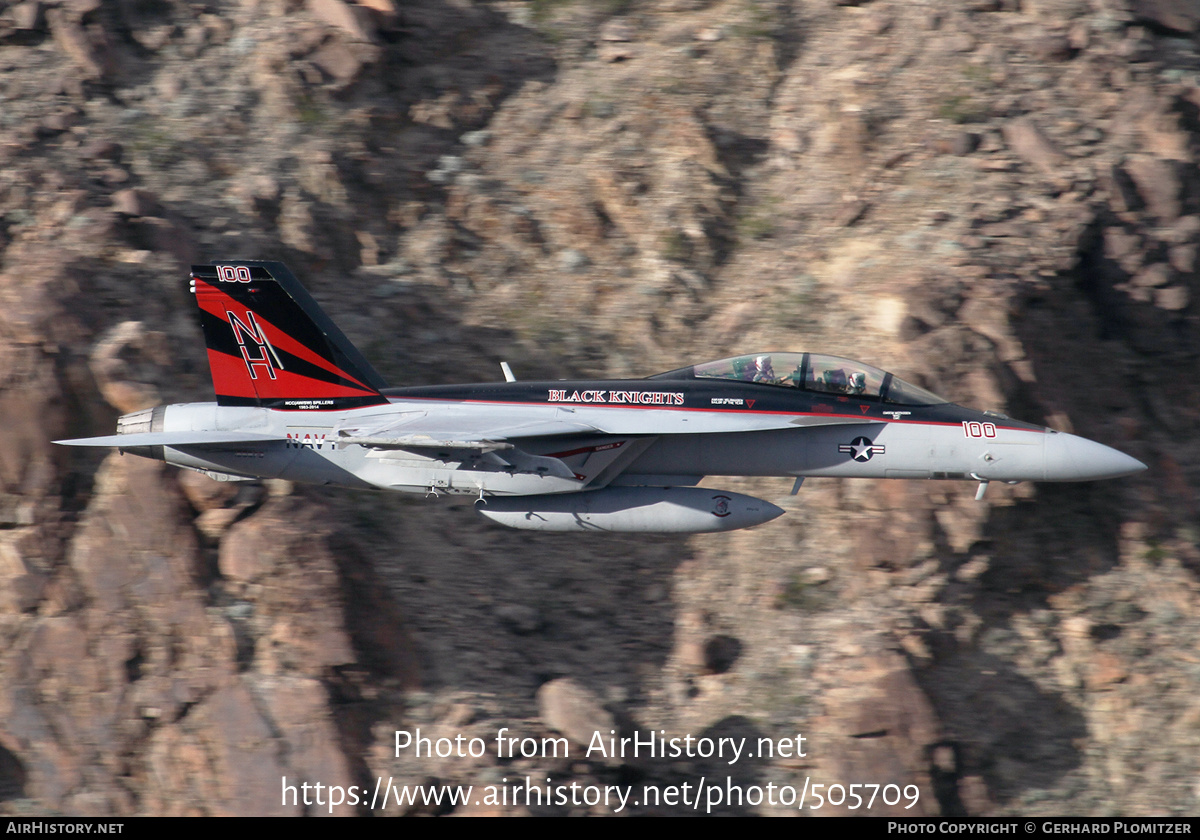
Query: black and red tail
column 270, row 345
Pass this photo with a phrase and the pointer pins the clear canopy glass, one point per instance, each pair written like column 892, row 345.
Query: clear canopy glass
column 816, row 372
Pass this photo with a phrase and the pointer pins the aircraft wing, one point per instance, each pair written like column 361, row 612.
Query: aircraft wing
column 501, row 440
column 465, row 424
column 456, row 430
column 507, row 436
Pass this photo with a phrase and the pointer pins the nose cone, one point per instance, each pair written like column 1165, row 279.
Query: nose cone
column 1072, row 458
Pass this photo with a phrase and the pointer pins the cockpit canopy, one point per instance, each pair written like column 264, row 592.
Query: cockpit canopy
column 811, row 372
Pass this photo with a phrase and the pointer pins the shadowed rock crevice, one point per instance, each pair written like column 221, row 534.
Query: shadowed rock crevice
column 1007, row 731
column 12, row 776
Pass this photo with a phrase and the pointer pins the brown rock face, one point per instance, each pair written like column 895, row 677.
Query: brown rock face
column 1029, row 142
column 568, row 707
column 1179, row 16
column 128, row 648
column 880, row 724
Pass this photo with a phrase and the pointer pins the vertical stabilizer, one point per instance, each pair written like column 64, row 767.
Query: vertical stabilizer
column 270, row 345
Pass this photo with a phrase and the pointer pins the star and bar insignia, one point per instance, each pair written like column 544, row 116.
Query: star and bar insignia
column 861, row 448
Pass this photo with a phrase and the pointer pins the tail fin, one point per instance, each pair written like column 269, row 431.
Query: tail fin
column 270, row 345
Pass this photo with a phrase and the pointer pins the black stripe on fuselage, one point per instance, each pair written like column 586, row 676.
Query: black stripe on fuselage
column 299, row 403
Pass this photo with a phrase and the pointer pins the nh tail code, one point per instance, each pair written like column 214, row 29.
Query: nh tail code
column 271, row 346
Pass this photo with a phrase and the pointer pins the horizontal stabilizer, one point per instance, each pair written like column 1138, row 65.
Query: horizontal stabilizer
column 205, row 438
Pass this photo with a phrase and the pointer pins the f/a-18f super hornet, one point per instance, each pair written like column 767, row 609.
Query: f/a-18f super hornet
column 296, row 400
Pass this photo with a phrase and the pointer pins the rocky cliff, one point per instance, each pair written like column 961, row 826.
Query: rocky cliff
column 997, row 199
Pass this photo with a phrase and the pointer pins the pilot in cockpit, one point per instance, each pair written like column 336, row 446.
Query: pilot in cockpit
column 834, row 381
column 762, row 371
column 858, row 383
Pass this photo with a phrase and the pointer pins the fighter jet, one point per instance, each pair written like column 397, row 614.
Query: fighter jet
column 296, row 400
